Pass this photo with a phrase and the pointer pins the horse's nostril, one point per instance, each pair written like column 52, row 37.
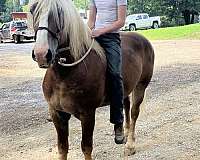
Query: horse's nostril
column 49, row 56
column 33, row 55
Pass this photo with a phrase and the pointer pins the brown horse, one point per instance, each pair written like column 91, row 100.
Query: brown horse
column 79, row 88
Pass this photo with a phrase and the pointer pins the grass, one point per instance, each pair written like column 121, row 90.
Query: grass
column 169, row 33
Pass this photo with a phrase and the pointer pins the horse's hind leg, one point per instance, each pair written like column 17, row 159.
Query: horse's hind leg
column 137, row 98
column 60, row 120
column 87, row 123
column 127, row 115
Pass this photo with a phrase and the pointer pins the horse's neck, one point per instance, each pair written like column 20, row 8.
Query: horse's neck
column 88, row 64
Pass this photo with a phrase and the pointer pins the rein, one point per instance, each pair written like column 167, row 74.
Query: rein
column 62, row 61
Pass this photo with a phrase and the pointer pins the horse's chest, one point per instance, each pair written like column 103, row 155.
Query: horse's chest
column 63, row 99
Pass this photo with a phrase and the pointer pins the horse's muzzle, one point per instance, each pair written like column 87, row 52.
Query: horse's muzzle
column 33, row 56
column 43, row 62
column 49, row 56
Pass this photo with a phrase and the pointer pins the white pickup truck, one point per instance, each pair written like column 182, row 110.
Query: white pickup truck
column 141, row 21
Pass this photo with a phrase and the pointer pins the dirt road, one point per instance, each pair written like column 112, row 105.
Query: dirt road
column 168, row 127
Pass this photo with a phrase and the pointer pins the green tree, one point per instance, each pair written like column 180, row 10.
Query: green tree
column 2, row 5
column 175, row 11
column 153, row 7
column 10, row 6
column 2, row 9
column 81, row 4
column 185, row 8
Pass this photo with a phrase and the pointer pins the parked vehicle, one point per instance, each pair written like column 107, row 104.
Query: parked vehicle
column 15, row 30
column 141, row 21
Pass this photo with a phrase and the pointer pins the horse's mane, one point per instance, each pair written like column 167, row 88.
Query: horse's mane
column 74, row 27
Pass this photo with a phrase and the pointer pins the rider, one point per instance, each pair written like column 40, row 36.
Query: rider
column 105, row 20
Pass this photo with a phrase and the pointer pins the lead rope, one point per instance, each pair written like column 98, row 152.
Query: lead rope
column 62, row 60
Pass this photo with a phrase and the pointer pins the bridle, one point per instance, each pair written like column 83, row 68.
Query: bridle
column 62, row 61
column 54, row 35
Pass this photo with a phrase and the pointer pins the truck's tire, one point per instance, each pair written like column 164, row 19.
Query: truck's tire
column 132, row 27
column 155, row 25
column 16, row 39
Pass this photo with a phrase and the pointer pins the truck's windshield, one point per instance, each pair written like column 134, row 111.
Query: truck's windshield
column 19, row 25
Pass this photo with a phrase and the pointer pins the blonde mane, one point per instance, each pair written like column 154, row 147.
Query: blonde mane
column 74, row 27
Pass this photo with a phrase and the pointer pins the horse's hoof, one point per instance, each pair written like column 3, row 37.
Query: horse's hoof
column 49, row 119
column 130, row 151
column 63, row 157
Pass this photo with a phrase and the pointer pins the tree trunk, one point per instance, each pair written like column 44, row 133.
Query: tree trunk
column 192, row 19
column 186, row 14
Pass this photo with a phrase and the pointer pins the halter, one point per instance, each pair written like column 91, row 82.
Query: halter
column 54, row 35
column 62, row 61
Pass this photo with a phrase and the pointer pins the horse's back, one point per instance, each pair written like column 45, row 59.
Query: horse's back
column 138, row 60
column 137, row 45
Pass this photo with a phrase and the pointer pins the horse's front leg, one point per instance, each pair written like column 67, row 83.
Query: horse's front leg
column 60, row 120
column 87, row 123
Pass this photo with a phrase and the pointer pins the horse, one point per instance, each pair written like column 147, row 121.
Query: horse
column 75, row 79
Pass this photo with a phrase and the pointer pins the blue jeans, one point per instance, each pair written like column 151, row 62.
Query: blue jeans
column 112, row 45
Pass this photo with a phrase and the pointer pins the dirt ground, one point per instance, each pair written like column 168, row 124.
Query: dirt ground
column 168, row 127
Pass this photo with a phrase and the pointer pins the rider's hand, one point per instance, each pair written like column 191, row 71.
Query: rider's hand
column 97, row 32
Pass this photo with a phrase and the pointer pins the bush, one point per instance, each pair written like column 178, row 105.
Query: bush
column 168, row 22
column 6, row 18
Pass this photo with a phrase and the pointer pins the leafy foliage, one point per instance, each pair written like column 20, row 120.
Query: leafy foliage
column 172, row 12
column 7, row 7
column 81, row 4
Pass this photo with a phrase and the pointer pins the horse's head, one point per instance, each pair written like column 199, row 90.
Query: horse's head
column 59, row 27
column 48, row 26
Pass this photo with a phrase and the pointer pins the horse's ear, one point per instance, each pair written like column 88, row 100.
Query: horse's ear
column 33, row 7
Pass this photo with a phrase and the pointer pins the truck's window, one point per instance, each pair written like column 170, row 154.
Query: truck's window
column 139, row 17
column 20, row 24
column 145, row 16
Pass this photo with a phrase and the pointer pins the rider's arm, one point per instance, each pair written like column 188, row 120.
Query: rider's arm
column 116, row 25
column 120, row 21
column 92, row 16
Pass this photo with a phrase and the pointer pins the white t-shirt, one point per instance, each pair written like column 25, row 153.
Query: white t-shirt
column 107, row 11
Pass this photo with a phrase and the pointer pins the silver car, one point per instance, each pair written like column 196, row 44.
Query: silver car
column 15, row 30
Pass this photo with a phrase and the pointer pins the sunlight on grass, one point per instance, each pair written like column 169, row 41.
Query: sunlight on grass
column 182, row 32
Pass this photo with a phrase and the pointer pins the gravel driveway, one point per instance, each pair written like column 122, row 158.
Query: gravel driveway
column 168, row 127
